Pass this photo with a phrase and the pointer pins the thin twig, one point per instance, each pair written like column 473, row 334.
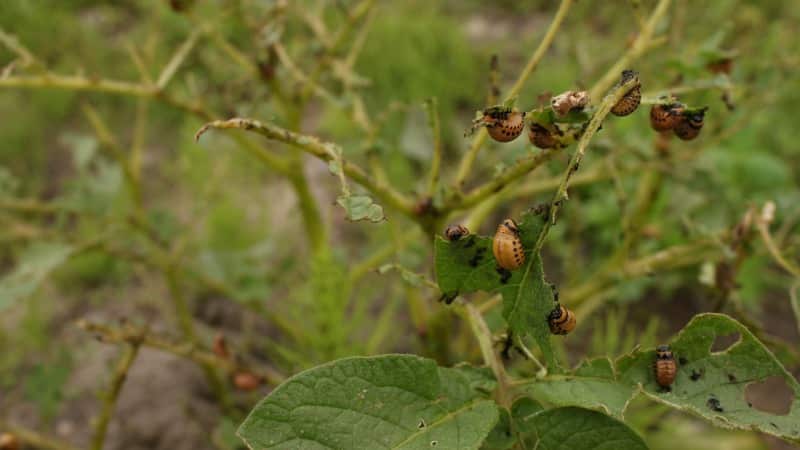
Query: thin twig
column 110, row 401
column 182, row 349
column 481, row 332
column 432, row 108
column 642, row 43
column 323, row 150
column 477, row 142
column 591, row 128
column 34, row 438
column 177, row 59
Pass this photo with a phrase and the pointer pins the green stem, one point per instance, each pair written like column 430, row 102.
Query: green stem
column 323, row 150
column 481, row 332
column 469, row 157
column 118, row 380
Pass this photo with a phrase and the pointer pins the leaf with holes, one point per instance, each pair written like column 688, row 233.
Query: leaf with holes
column 392, row 401
column 573, row 428
column 468, row 265
column 35, row 264
column 593, row 385
column 712, row 384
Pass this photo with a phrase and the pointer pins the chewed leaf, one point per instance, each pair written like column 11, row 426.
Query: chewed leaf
column 468, row 265
column 593, row 385
column 38, row 261
column 387, row 402
column 573, row 428
column 361, row 207
column 712, row 383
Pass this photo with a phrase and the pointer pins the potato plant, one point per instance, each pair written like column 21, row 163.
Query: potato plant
column 385, row 313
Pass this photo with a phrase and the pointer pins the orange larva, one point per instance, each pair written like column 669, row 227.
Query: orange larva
column 665, row 117
column 665, row 368
column 561, row 320
column 507, row 246
column 541, row 137
column 8, row 442
column 504, row 125
column 631, row 100
column 690, row 125
column 455, row 232
column 246, row 381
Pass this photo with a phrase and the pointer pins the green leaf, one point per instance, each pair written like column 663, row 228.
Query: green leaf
column 35, row 264
column 468, row 265
column 593, row 385
column 391, row 401
column 515, row 427
column 712, row 384
column 576, row 428
column 360, row 207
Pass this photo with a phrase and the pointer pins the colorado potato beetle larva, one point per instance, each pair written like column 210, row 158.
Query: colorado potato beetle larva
column 503, row 124
column 455, row 232
column 665, row 367
column 690, row 125
column 664, row 117
column 561, row 320
column 507, row 246
column 632, row 98
column 541, row 137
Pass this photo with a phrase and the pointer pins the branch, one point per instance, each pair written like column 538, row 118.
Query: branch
column 185, row 350
column 325, row 151
column 591, row 128
column 484, row 337
column 495, row 185
column 469, row 157
column 432, row 108
column 34, row 438
column 120, row 375
column 643, row 43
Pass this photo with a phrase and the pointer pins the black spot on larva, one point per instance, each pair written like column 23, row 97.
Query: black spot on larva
column 696, row 375
column 731, row 378
column 714, row 405
column 683, row 361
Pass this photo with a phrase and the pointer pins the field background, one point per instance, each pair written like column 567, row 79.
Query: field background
column 228, row 232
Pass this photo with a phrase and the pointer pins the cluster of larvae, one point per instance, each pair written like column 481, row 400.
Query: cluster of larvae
column 504, row 124
column 510, row 255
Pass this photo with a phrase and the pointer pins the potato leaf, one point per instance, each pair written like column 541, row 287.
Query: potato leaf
column 386, row 402
column 468, row 265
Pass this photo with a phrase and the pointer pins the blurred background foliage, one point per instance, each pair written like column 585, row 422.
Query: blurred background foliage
column 66, row 209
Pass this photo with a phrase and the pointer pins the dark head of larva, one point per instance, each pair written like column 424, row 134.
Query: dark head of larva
column 628, row 74
column 455, row 232
column 696, row 118
column 510, row 226
column 663, row 352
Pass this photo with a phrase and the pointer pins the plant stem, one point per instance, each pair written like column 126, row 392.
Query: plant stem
column 591, row 128
column 183, row 349
column 34, row 438
column 642, row 43
column 495, row 185
column 469, row 157
column 118, row 380
column 484, row 336
column 432, row 108
column 323, row 150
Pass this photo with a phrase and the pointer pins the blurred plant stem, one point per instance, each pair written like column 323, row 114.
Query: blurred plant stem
column 468, row 159
column 119, row 376
column 127, row 334
column 644, row 42
column 34, row 438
